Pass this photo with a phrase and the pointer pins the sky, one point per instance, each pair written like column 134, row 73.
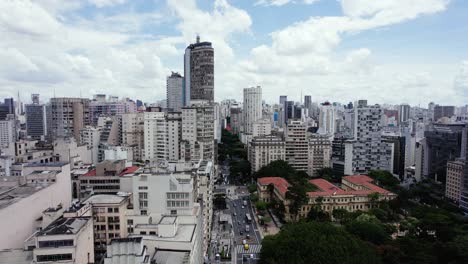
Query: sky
column 385, row 51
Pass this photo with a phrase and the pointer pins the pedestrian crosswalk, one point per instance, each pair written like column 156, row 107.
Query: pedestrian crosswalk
column 254, row 249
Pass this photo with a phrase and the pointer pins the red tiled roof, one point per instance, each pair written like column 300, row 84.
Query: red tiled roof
column 325, row 188
column 129, row 170
column 280, row 183
column 90, row 173
column 365, row 181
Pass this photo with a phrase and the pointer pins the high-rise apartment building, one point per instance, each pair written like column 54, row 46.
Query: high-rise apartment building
column 403, row 114
column 252, row 107
column 7, row 133
column 36, row 119
column 197, row 132
column 265, row 149
column 7, row 108
column 133, row 133
column 174, row 135
column 320, row 151
column 261, row 128
column 174, row 92
column 199, row 72
column 68, row 116
column 455, row 179
column 236, row 119
column 101, row 107
column 297, row 145
column 369, row 151
column 289, row 111
column 308, row 104
column 155, row 136
column 327, row 119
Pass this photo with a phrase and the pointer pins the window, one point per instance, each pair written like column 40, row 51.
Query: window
column 56, row 243
column 173, row 212
column 116, row 210
column 142, row 232
column 143, row 212
column 130, row 222
column 109, row 210
column 56, row 257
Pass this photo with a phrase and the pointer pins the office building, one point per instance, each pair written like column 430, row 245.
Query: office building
column 108, row 108
column 443, row 111
column 455, row 179
column 265, row 149
column 342, row 156
column 261, row 127
column 308, row 104
column 174, row 135
column 197, row 132
column 403, row 114
column 443, row 143
column 174, row 92
column 252, row 107
column 36, row 121
column 397, row 148
column 289, row 111
column 199, row 72
column 127, row 250
column 7, row 108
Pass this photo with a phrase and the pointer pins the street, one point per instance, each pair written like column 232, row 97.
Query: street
column 238, row 227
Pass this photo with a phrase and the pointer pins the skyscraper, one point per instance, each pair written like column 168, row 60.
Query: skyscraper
column 199, row 72
column 308, row 104
column 327, row 119
column 36, row 124
column 443, row 111
column 252, row 107
column 403, row 114
column 7, row 108
column 68, row 116
column 174, row 92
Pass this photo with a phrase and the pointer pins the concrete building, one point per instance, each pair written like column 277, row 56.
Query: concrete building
column 133, row 133
column 352, row 196
column 443, row 143
column 327, row 119
column 156, row 148
column 455, row 179
column 7, row 132
column 174, row 92
column 127, row 251
column 403, row 114
column 369, row 151
column 197, row 132
column 443, row 111
column 397, row 146
column 174, row 135
column 265, row 149
column 236, row 119
column 68, row 117
column 66, row 240
column 261, row 127
column 308, row 104
column 36, row 121
column 252, row 108
column 107, row 108
column 199, row 72
column 320, row 152
column 297, row 145
column 22, row 204
column 109, row 214
column 7, row 108
column 91, row 137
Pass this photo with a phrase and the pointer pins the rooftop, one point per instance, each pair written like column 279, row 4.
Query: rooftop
column 280, row 183
column 184, row 234
column 65, row 226
column 106, row 199
column 16, row 256
column 166, row 220
column 10, row 195
column 171, row 257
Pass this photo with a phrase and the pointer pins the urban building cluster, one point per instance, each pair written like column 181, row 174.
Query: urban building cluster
column 112, row 180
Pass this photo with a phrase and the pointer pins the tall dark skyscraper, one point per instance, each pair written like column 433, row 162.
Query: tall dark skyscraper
column 8, row 107
column 36, row 121
column 199, row 72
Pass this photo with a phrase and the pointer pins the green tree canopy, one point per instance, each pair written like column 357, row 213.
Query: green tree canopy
column 312, row 242
column 368, row 231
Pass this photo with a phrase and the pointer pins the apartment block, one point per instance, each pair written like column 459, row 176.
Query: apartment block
column 263, row 150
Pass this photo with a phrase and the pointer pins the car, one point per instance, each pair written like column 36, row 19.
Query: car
column 235, row 214
column 247, row 236
column 235, row 205
column 243, row 207
column 241, row 233
column 239, row 222
column 244, row 241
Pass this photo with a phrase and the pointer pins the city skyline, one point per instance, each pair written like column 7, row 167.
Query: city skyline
column 346, row 50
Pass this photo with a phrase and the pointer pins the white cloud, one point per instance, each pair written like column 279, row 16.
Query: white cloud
column 282, row 2
column 104, row 3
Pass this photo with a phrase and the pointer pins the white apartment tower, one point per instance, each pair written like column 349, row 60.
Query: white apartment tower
column 174, row 135
column 198, row 132
column 327, row 119
column 174, row 91
column 7, row 132
column 403, row 114
column 133, row 133
column 369, row 151
column 155, row 136
column 252, row 107
column 297, row 145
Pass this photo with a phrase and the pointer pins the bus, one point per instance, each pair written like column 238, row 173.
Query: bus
column 248, row 218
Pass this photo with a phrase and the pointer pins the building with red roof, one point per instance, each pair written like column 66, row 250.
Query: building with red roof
column 353, row 194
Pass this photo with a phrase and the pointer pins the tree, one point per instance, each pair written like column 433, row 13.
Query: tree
column 373, row 198
column 385, row 179
column 311, row 242
column 252, row 187
column 368, row 231
column 261, row 206
column 340, row 215
column 318, row 215
column 298, row 196
column 278, row 168
column 329, row 175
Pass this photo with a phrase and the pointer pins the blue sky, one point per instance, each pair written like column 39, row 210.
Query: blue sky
column 387, row 51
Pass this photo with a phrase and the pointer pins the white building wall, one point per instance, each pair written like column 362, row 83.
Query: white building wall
column 252, row 107
column 155, row 136
column 7, row 133
column 18, row 220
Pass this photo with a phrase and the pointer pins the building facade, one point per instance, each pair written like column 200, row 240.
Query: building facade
column 199, row 72
column 320, row 151
column 174, row 91
column 297, row 145
column 265, row 149
column 252, row 107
